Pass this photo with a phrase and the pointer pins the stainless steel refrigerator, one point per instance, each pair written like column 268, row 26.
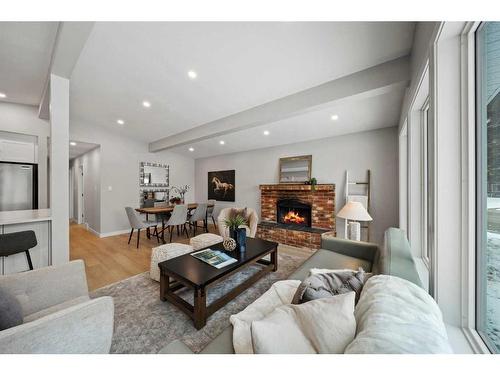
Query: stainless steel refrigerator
column 18, row 186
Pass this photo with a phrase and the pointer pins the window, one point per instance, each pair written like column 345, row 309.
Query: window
column 426, row 192
column 488, row 184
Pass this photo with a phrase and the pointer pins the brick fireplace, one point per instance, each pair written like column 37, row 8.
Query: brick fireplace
column 295, row 214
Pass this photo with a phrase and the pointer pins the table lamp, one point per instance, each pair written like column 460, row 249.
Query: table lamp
column 354, row 212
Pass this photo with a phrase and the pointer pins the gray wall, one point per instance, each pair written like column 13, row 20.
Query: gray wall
column 23, row 119
column 91, row 162
column 374, row 150
column 120, row 158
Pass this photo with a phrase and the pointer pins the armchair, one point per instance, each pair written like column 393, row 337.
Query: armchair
column 58, row 315
column 253, row 220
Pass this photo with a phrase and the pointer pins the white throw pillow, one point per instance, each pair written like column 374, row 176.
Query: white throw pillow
column 396, row 316
column 279, row 294
column 325, row 325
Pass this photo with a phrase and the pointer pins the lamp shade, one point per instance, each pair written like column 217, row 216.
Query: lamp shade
column 354, row 211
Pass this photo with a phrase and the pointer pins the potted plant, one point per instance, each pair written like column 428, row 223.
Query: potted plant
column 236, row 232
column 313, row 182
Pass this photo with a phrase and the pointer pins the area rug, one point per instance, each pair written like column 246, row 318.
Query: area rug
column 145, row 324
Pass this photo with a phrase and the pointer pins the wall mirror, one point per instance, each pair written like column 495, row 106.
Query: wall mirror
column 153, row 174
column 295, row 169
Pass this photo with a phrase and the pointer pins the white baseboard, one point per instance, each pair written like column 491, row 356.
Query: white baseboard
column 108, row 234
column 92, row 230
column 115, row 233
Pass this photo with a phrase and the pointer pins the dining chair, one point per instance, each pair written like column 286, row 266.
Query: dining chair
column 178, row 219
column 199, row 214
column 151, row 218
column 210, row 211
column 136, row 222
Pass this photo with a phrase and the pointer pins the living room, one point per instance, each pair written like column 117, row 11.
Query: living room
column 248, row 187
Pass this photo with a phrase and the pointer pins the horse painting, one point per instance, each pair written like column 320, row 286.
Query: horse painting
column 221, row 185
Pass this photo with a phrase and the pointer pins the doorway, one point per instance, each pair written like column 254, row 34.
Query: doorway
column 80, row 196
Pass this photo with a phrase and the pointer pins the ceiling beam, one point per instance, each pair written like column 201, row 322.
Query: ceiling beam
column 366, row 83
column 70, row 40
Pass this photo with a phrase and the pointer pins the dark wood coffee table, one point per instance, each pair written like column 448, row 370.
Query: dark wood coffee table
column 187, row 271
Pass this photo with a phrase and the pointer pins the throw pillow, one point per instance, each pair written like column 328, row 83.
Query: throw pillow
column 322, row 326
column 279, row 294
column 322, row 285
column 11, row 313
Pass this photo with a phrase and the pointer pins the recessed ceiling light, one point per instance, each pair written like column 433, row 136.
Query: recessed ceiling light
column 222, row 142
column 146, row 104
column 192, row 74
column 266, row 132
column 335, row 117
column 120, row 122
column 72, row 143
column 2, row 95
column 191, row 149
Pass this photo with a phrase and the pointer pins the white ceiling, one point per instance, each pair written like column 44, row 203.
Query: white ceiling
column 354, row 115
column 239, row 66
column 25, row 52
column 80, row 148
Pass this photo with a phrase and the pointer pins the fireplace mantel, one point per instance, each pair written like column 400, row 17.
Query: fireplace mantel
column 298, row 187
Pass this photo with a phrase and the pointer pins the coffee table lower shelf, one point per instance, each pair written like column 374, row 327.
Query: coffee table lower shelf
column 199, row 311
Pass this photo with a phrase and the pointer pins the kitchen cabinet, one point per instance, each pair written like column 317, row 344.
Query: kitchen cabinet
column 15, row 151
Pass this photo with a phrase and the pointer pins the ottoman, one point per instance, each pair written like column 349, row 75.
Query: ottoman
column 166, row 252
column 204, row 240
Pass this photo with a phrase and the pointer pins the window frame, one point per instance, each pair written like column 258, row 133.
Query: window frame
column 427, row 209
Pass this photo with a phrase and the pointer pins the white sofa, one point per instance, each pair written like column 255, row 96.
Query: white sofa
column 58, row 314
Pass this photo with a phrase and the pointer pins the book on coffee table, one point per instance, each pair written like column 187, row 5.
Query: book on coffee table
column 215, row 258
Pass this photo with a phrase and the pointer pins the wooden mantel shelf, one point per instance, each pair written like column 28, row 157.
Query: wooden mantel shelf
column 297, row 187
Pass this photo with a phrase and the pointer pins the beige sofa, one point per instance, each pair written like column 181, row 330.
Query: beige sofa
column 59, row 317
column 394, row 258
column 253, row 220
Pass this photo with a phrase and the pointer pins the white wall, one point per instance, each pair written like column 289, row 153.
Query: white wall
column 374, row 150
column 59, row 174
column 420, row 50
column 120, row 158
column 23, row 119
column 91, row 162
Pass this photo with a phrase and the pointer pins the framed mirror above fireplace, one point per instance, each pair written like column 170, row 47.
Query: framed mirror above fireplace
column 295, row 169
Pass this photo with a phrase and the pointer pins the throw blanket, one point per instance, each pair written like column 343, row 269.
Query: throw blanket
column 394, row 315
column 280, row 293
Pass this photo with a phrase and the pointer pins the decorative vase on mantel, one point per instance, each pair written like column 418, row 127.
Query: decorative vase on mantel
column 240, row 236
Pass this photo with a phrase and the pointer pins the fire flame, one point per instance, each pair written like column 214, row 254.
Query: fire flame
column 293, row 217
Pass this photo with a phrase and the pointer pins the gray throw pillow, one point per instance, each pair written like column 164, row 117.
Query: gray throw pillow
column 11, row 313
column 329, row 284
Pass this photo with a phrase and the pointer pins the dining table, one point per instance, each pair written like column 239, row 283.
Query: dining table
column 163, row 213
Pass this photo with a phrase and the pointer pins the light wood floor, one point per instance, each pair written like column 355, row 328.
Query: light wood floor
column 111, row 259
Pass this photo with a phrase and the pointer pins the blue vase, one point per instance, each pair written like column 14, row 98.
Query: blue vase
column 240, row 236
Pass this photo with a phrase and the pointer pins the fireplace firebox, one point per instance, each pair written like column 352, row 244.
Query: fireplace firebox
column 293, row 212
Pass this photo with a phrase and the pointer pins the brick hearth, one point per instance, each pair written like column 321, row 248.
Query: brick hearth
column 322, row 201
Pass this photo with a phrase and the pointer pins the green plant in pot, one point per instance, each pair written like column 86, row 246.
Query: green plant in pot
column 238, row 234
column 313, row 182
